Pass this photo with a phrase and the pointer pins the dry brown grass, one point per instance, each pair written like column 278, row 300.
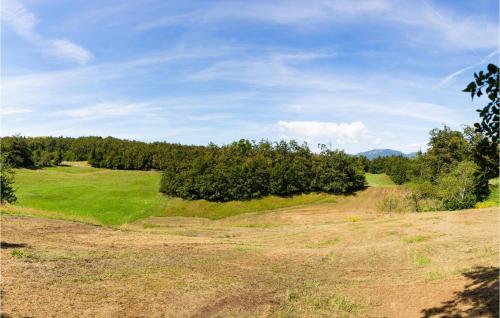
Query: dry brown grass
column 305, row 262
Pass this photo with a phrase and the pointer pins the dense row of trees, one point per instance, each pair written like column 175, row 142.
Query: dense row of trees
column 100, row 152
column 246, row 170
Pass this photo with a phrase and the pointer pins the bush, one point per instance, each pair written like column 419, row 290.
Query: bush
column 394, row 202
column 457, row 189
column 421, row 194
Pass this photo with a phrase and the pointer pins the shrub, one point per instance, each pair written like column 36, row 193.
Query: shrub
column 394, row 202
column 457, row 189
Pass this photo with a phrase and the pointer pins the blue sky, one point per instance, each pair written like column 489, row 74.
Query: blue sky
column 354, row 74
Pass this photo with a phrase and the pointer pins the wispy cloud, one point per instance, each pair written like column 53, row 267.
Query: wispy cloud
column 23, row 22
column 106, row 110
column 425, row 23
column 341, row 133
column 8, row 111
column 70, row 50
column 15, row 15
column 448, row 78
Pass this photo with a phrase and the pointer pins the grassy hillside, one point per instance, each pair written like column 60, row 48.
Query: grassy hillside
column 114, row 197
column 88, row 194
column 219, row 210
column 379, row 180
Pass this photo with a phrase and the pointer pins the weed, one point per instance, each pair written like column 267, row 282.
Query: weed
column 343, row 303
column 21, row 254
column 354, row 218
column 324, row 244
column 415, row 239
column 420, row 260
column 312, row 283
column 442, row 274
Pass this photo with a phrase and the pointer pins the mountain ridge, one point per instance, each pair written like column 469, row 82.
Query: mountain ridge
column 377, row 153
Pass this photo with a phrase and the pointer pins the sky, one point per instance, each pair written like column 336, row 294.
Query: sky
column 354, row 75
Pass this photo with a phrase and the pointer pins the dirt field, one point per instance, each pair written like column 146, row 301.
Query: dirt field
column 332, row 260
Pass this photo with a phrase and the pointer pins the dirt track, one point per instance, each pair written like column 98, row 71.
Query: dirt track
column 332, row 260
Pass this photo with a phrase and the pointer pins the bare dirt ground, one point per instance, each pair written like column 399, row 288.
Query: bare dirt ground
column 331, row 260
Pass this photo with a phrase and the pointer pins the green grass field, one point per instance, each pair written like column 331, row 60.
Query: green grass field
column 114, row 197
column 379, row 180
column 88, row 194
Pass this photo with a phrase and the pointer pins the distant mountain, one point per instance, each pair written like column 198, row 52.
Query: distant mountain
column 377, row 153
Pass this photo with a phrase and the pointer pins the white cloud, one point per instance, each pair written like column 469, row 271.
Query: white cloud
column 15, row 15
column 8, row 111
column 23, row 22
column 317, row 130
column 70, row 50
column 103, row 110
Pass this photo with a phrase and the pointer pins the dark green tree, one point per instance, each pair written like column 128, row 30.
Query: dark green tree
column 6, row 181
column 446, row 148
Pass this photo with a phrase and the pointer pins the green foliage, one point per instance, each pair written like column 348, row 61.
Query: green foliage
column 489, row 80
column 245, row 170
column 486, row 156
column 457, row 188
column 7, row 194
column 492, row 200
column 336, row 172
column 101, row 152
column 446, row 148
column 421, row 193
column 17, row 150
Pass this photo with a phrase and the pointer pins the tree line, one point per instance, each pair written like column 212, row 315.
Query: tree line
column 239, row 171
column 112, row 153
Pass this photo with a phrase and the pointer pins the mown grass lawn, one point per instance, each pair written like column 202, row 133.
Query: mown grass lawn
column 379, row 180
column 102, row 196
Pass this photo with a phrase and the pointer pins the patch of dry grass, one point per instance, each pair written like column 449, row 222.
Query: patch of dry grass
column 307, row 262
